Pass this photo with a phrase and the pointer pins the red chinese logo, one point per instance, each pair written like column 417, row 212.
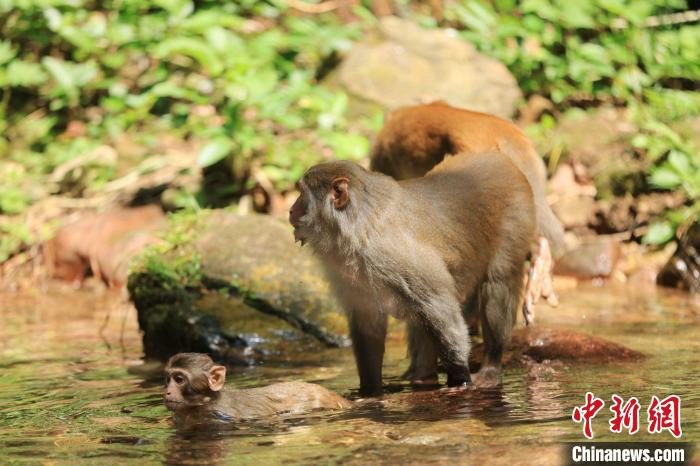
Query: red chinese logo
column 587, row 412
column 661, row 415
column 665, row 415
column 625, row 415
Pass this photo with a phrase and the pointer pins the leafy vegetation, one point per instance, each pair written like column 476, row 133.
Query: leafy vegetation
column 241, row 82
column 614, row 52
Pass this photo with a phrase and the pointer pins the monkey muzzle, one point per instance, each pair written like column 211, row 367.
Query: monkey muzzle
column 172, row 405
column 299, row 236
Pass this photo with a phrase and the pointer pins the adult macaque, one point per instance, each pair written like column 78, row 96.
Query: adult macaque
column 415, row 139
column 421, row 249
column 195, row 391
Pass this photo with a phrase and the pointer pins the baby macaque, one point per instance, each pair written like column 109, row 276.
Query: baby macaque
column 195, row 391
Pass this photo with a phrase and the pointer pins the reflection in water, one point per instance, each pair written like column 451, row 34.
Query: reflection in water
column 69, row 395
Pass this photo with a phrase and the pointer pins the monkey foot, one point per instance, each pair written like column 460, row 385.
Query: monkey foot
column 539, row 281
column 425, row 382
column 371, row 392
column 459, row 379
column 488, row 377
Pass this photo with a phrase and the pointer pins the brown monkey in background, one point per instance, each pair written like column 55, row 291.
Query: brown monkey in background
column 195, row 391
column 415, row 139
column 421, row 249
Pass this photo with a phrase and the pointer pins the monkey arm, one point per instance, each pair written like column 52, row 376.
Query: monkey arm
column 442, row 318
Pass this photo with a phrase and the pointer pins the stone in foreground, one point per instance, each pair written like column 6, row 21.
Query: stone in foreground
column 237, row 287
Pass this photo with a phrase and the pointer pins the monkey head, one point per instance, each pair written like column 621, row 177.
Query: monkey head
column 329, row 203
column 192, row 380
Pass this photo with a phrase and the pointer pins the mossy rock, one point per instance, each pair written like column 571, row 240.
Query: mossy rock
column 224, row 283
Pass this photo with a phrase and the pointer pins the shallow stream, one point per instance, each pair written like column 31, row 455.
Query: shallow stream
column 71, row 393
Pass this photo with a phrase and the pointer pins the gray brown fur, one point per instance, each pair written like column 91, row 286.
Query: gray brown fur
column 417, row 138
column 196, row 402
column 421, row 249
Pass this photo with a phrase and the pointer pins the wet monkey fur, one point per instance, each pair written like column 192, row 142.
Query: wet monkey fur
column 195, row 391
column 421, row 249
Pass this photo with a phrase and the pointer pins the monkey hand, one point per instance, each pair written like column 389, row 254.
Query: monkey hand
column 488, row 377
column 539, row 281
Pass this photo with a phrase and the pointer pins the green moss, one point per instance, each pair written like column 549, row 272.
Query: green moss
column 174, row 257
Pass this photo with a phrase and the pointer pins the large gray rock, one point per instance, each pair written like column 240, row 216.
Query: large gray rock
column 247, row 290
column 408, row 65
column 256, row 256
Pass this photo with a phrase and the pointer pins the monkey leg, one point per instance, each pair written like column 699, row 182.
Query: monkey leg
column 539, row 281
column 498, row 301
column 368, row 333
column 442, row 319
column 424, row 356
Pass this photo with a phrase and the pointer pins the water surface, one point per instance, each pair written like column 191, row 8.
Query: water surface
column 74, row 390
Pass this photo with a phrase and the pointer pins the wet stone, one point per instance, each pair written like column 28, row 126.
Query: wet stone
column 258, row 294
column 556, row 344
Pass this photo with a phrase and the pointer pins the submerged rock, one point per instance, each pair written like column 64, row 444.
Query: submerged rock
column 596, row 257
column 235, row 286
column 542, row 344
column 408, row 65
column 683, row 268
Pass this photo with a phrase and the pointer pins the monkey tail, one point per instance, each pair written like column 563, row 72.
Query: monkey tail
column 549, row 226
column 524, row 156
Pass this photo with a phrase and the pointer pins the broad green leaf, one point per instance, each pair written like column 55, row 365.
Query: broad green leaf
column 664, row 177
column 679, row 161
column 7, row 53
column 70, row 76
column 22, row 73
column 215, row 151
column 659, row 233
column 194, row 48
column 60, row 72
column 577, row 14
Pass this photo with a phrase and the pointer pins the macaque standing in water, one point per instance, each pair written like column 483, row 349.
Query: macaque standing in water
column 422, row 249
column 415, row 139
column 195, row 391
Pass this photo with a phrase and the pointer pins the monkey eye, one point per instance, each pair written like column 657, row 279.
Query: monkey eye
column 179, row 379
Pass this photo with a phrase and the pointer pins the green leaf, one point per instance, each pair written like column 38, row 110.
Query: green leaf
column 664, row 177
column 22, row 73
column 679, row 161
column 194, row 48
column 348, row 146
column 215, row 151
column 60, row 71
column 178, row 9
column 659, row 233
column 7, row 53
column 13, row 200
column 70, row 77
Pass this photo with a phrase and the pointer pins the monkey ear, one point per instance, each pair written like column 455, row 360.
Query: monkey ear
column 340, row 192
column 216, row 378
